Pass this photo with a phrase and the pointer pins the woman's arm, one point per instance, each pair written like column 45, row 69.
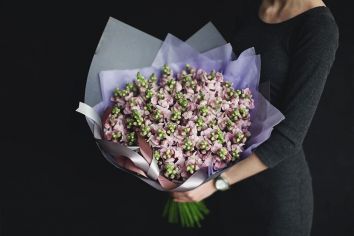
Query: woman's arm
column 311, row 57
column 244, row 169
column 312, row 53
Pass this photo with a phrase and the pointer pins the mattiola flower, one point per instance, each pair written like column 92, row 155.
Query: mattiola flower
column 192, row 119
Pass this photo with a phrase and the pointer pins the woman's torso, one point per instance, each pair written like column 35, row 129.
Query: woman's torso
column 275, row 43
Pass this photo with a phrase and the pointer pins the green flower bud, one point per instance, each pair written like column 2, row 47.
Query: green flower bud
column 190, row 168
column 201, row 96
column 145, row 130
column 203, row 145
column 161, row 134
column 116, row 136
column 171, row 127
column 203, row 111
column 199, row 122
column 130, row 87
column 183, row 102
column 222, row 152
column 220, row 136
column 217, row 136
column 137, row 118
column 179, row 95
column 187, row 79
column 116, row 92
column 187, row 145
column 160, row 95
column 153, row 78
column 231, row 92
column 149, row 107
column 141, row 82
column 167, row 154
column 171, row 83
column 176, row 115
column 139, row 76
column 212, row 75
column 156, row 155
column 116, row 110
column 148, row 94
column 239, row 138
column 235, row 155
column 131, row 138
column 244, row 112
column 170, row 171
column 229, row 125
column 228, row 84
column 157, row 116
column 186, row 131
column 120, row 93
column 130, row 122
column 235, row 115
column 166, row 70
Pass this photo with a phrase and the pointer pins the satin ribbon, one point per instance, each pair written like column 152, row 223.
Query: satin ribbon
column 110, row 150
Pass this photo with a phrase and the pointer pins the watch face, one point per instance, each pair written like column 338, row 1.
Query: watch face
column 220, row 184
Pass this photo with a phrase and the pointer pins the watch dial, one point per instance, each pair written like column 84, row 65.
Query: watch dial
column 220, row 184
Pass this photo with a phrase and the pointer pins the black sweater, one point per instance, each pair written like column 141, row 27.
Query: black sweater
column 296, row 57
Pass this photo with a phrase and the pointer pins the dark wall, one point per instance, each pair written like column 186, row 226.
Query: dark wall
column 54, row 180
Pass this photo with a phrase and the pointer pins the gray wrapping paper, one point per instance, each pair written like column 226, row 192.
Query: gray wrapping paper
column 124, row 47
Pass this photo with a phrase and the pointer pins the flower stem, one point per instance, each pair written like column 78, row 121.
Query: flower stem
column 187, row 214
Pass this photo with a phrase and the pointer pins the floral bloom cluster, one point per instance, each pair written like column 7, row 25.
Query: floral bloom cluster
column 191, row 119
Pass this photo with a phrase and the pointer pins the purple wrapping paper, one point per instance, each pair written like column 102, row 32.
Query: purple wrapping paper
column 243, row 72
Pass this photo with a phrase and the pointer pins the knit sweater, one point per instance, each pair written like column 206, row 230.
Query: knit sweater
column 296, row 57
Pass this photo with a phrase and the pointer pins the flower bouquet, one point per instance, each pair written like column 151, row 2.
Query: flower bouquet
column 183, row 120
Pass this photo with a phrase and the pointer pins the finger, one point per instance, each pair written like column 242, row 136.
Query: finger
column 181, row 197
column 181, row 194
column 180, row 201
column 184, row 199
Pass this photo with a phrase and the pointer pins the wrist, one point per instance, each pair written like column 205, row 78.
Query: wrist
column 226, row 177
column 221, row 183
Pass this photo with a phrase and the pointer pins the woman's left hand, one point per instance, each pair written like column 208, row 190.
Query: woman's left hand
column 196, row 195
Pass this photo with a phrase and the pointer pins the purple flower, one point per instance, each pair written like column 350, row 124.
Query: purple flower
column 191, row 119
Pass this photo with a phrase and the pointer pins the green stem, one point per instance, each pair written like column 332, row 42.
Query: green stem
column 175, row 212
column 203, row 208
column 170, row 212
column 166, row 208
column 187, row 214
column 181, row 215
column 197, row 214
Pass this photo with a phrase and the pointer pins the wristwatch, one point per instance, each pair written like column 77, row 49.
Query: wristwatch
column 221, row 183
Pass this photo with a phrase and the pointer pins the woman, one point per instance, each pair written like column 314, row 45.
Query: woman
column 297, row 41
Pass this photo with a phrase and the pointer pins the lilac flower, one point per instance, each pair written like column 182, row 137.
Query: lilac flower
column 191, row 119
column 193, row 163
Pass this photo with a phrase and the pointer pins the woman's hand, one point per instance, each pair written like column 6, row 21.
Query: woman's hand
column 196, row 195
column 242, row 170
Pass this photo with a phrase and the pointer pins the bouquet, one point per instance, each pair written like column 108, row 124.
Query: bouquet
column 183, row 120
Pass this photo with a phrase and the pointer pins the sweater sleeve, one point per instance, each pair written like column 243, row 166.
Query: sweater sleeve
column 312, row 54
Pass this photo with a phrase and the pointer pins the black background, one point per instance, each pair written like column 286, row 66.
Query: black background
column 54, row 181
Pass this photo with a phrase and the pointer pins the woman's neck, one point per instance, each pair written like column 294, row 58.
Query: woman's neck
column 275, row 11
